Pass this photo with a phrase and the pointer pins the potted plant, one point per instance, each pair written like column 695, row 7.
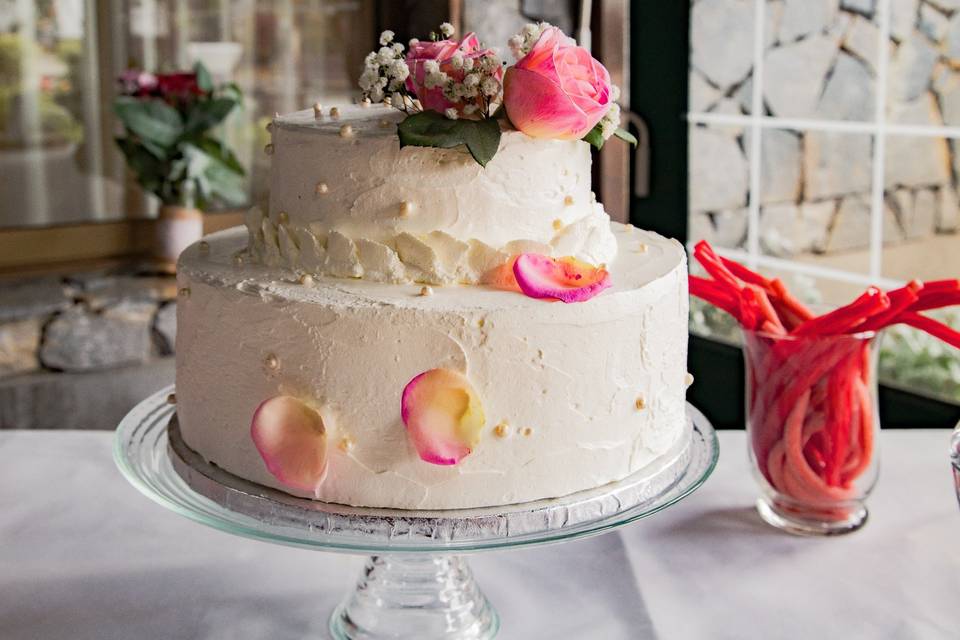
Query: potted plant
column 170, row 146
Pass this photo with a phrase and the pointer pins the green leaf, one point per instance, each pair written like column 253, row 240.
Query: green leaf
column 148, row 169
column 432, row 129
column 204, row 80
column 623, row 134
column 207, row 114
column 214, row 178
column 152, row 120
column 595, row 136
column 222, row 153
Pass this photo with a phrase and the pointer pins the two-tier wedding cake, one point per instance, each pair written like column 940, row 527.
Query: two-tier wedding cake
column 435, row 312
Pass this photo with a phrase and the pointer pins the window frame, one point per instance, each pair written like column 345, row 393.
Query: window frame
column 660, row 58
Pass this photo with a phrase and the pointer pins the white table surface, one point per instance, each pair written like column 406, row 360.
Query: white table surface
column 84, row 556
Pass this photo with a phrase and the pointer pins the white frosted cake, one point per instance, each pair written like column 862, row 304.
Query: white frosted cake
column 378, row 267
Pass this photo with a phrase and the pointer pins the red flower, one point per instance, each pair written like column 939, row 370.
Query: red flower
column 180, row 85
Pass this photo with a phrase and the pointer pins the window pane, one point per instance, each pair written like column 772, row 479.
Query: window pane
column 719, row 183
column 59, row 60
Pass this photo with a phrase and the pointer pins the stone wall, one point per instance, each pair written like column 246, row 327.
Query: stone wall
column 820, row 62
column 64, row 339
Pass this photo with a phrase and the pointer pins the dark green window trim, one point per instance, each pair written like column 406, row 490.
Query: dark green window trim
column 659, row 66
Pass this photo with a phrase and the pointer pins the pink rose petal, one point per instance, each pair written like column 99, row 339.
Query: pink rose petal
column 443, row 416
column 292, row 441
column 566, row 279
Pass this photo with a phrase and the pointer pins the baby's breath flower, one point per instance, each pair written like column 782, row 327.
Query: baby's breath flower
column 397, row 47
column 414, row 41
column 470, row 109
column 457, row 60
column 398, row 70
column 610, row 121
column 468, row 64
column 451, row 113
column 385, row 55
column 386, row 37
column 446, row 29
column 490, row 86
column 614, row 93
column 471, row 80
column 431, row 66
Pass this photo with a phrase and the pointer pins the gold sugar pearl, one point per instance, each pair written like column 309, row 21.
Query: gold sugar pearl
column 203, row 246
column 346, row 131
column 334, row 112
column 406, row 208
column 283, row 217
column 271, row 362
column 426, row 291
column 640, row 404
column 345, row 444
column 481, row 322
column 172, row 398
column 557, row 224
column 388, row 101
column 305, row 279
column 365, row 103
column 527, row 431
column 268, row 149
column 568, row 200
column 184, row 292
column 688, row 379
column 322, row 188
column 641, row 248
column 317, row 110
column 501, row 430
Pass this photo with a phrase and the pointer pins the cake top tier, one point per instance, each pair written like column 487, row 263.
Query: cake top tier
column 347, row 200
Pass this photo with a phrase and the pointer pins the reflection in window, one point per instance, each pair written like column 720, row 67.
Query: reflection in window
column 59, row 59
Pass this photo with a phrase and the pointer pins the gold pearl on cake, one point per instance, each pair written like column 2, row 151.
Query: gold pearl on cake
column 527, row 431
column 688, row 379
column 640, row 403
column 172, row 398
column 321, row 188
column 346, row 131
column 317, row 110
column 365, row 103
column 426, row 291
column 568, row 200
column 184, row 292
column 481, row 322
column 271, row 362
column 334, row 112
column 501, row 430
column 557, row 224
column 388, row 101
column 268, row 149
column 305, row 279
column 283, row 218
column 345, row 444
column 203, row 246
column 641, row 248
column 406, row 208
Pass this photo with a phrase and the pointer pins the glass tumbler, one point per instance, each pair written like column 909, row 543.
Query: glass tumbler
column 812, row 428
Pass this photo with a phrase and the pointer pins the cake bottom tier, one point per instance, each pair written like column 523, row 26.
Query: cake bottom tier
column 574, row 395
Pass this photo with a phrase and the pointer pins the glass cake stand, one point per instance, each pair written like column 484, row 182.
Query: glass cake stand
column 416, row 584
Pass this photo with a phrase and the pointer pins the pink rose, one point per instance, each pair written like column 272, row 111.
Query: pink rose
column 442, row 51
column 558, row 90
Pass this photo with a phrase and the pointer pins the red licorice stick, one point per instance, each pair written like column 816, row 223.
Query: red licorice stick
column 715, row 294
column 900, row 299
column 936, row 301
column 747, row 275
column 841, row 320
column 933, row 327
column 710, row 261
column 783, row 298
column 756, row 298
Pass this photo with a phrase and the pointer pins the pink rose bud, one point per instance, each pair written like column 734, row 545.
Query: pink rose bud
column 558, row 90
column 442, row 51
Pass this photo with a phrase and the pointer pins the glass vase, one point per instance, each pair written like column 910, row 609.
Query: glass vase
column 812, row 428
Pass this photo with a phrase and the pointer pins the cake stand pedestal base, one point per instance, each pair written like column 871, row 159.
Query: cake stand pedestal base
column 428, row 597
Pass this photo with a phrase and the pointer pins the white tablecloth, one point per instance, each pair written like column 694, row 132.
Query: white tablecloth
column 84, row 556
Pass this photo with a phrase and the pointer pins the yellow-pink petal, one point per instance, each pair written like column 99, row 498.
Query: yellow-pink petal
column 565, row 279
column 443, row 416
column 292, row 440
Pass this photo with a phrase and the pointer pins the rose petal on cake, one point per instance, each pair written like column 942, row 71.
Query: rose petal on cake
column 443, row 416
column 565, row 279
column 292, row 441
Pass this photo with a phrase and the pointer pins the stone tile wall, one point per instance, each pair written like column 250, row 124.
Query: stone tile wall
column 59, row 334
column 820, row 62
